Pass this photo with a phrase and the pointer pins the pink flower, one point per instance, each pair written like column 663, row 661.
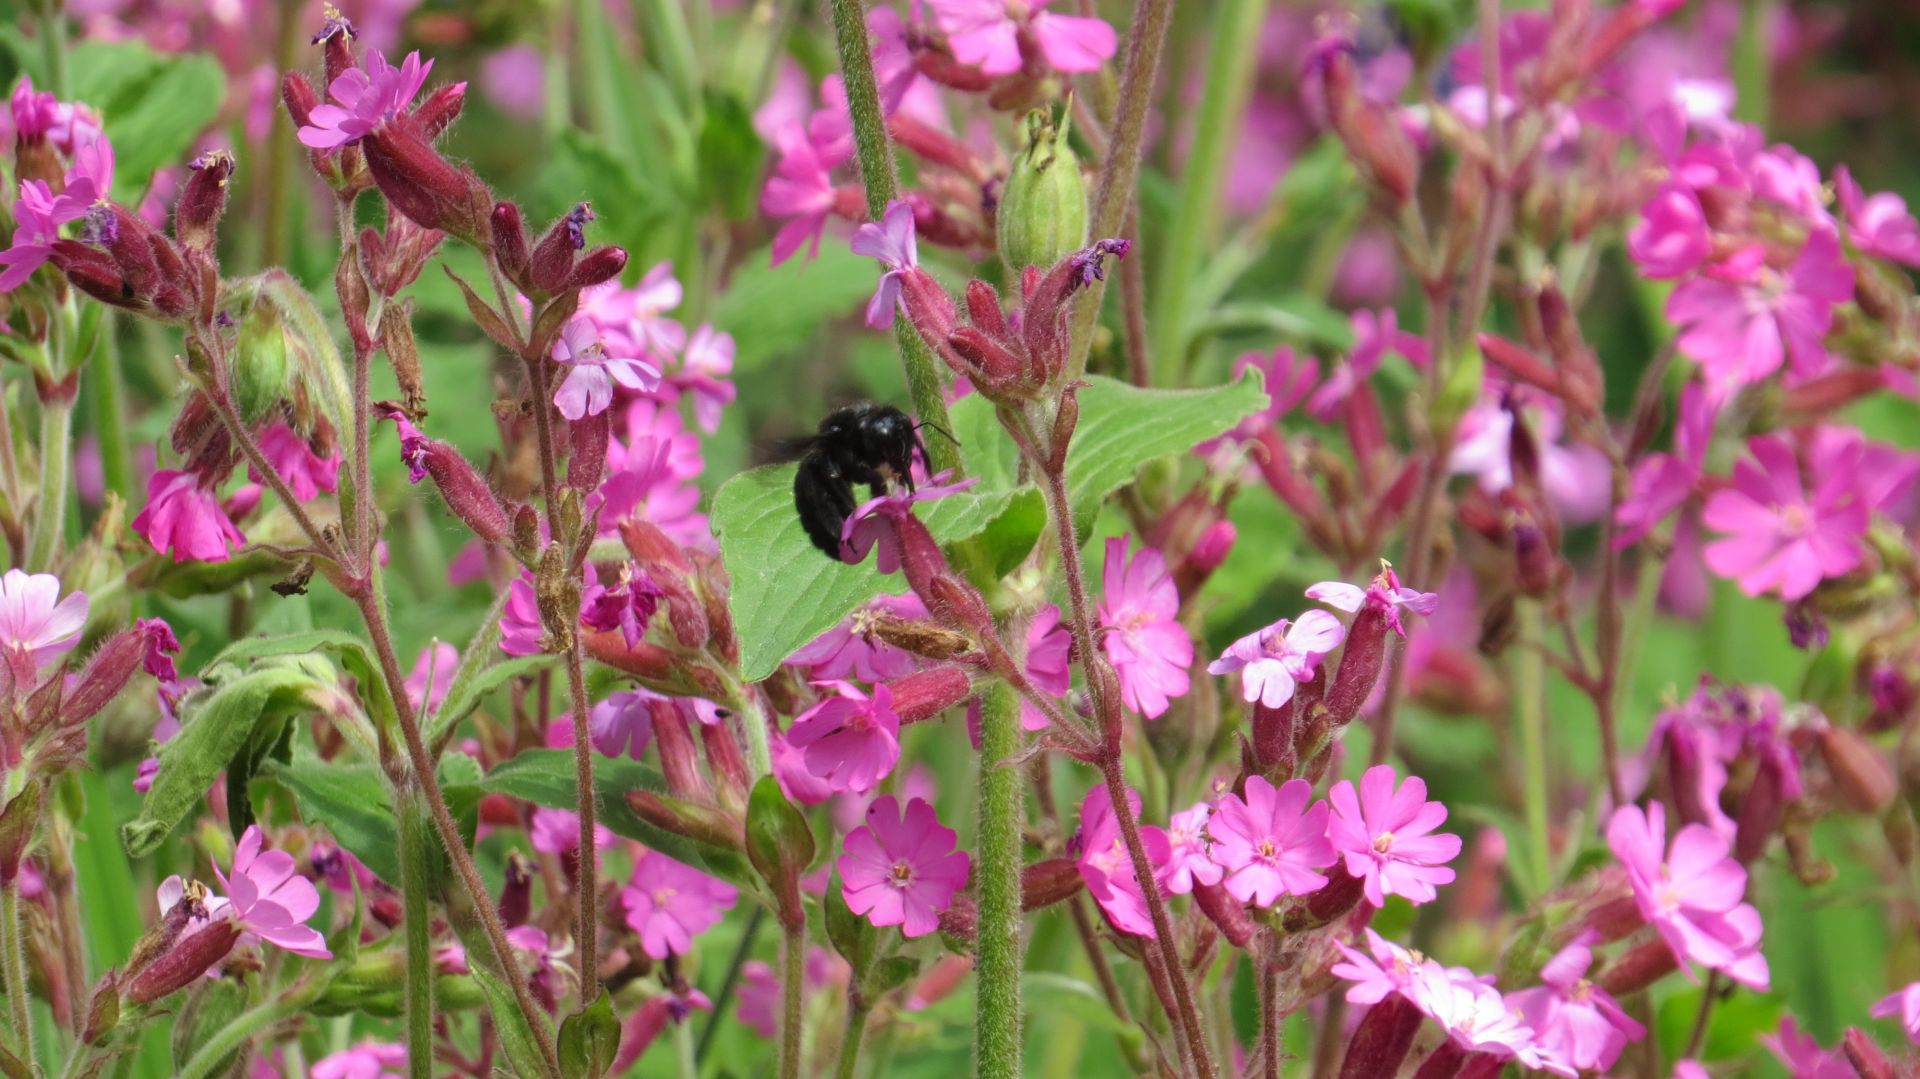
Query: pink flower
column 270, row 900
column 1289, row 380
column 187, row 518
column 307, row 473
column 1188, row 859
column 669, row 904
column 368, row 98
column 1802, row 1056
column 1047, row 662
column 623, row 723
column 35, row 623
column 1272, row 661
column 1741, row 319
column 703, row 370
column 852, row 739
column 588, row 387
column 891, row 241
column 1478, row 1019
column 1107, row 869
column 367, row 1060
column 1375, row 334
column 514, row 78
column 1271, row 843
column 432, row 676
column 1671, row 238
column 1575, row 1019
column 1386, row 837
column 35, row 228
column 557, row 831
column 1691, row 894
column 1906, row 1005
column 87, row 182
column 851, row 651
column 1389, row 970
column 645, row 486
column 521, row 633
column 628, row 605
column 868, row 527
column 801, row 191
column 900, row 868
column 1661, row 482
column 1384, row 593
column 1878, row 225
column 986, row 34
column 796, row 782
column 1149, row 648
column 1574, row 476
column 1781, row 536
column 632, row 321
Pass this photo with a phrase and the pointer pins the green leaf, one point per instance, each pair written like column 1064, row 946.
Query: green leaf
column 353, row 653
column 1048, row 995
column 351, row 801
column 217, row 725
column 545, row 777
column 153, row 107
column 731, row 154
column 510, row 1023
column 785, row 592
column 589, row 1040
column 1123, row 427
column 774, row 310
column 466, row 693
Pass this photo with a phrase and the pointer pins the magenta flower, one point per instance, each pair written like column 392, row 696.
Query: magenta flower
column 986, row 34
column 588, row 388
column 1880, row 224
column 1802, row 1056
column 1272, row 661
column 1661, row 482
column 900, row 868
column 1573, row 1018
column 87, row 182
column 521, row 633
column 1139, row 610
column 800, row 191
column 1107, row 869
column 851, row 651
column 557, row 831
column 1271, row 843
column 1289, row 381
column 796, row 782
column 1480, row 1020
column 1906, row 1005
column 1573, row 475
column 307, row 473
column 270, row 900
column 1047, row 662
column 367, row 1060
column 368, row 98
column 852, row 739
column 1690, row 893
column 891, row 241
column 628, row 605
column 186, row 518
column 1389, row 970
column 868, row 527
column 1781, row 536
column 1386, row 836
column 1671, row 238
column 669, row 903
column 632, row 321
column 35, row 623
column 622, row 724
column 645, row 486
column 1742, row 319
column 1384, row 593
column 432, row 676
column 1375, row 334
column 1188, row 859
column 35, row 228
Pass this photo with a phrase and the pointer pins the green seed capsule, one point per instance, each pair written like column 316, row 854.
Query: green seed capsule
column 1043, row 210
column 260, row 363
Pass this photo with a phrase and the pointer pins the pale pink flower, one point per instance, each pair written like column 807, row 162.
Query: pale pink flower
column 1139, row 610
column 307, row 473
column 851, row 651
column 1781, row 536
column 1906, row 1005
column 622, row 724
column 521, row 633
column 1389, row 970
column 514, row 78
column 1573, row 475
column 986, row 34
column 891, row 241
column 593, row 370
column 432, row 676
column 1479, row 1019
column 1574, row 1018
column 270, row 900
column 183, row 516
column 367, row 1060
column 1691, row 894
column 1879, row 224
column 850, row 739
column 1107, row 869
column 1272, row 842
column 36, row 625
column 704, row 367
column 1188, row 859
column 1273, row 661
column 367, row 99
column 1742, row 319
column 633, row 321
column 1387, row 836
column 900, row 868
column 669, row 903
column 1384, row 593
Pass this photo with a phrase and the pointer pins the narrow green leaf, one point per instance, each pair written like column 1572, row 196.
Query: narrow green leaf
column 510, row 1023
column 468, row 691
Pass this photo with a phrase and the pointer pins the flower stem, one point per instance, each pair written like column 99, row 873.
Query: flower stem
column 997, row 866
column 224, row 1041
column 13, row 968
column 1236, row 37
column 1529, row 707
column 731, row 982
column 109, row 415
column 53, row 45
column 416, row 846
column 849, row 1062
column 50, row 513
column 793, row 956
column 875, row 153
column 1145, row 42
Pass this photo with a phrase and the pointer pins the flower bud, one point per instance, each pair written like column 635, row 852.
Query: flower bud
column 17, row 822
column 679, row 758
column 553, row 255
column 1340, row 894
column 1868, row 1059
column 1273, row 738
column 299, row 97
column 440, row 110
column 425, row 187
column 780, row 845
column 335, row 38
column 1361, row 661
column 1382, row 1040
column 190, row 956
column 1228, row 914
column 260, row 367
column 1860, row 772
column 726, row 763
column 403, row 355
column 597, row 267
column 510, row 245
column 103, row 1013
column 694, row 820
column 1761, row 810
column 1642, row 966
column 926, row 694
column 203, row 200
column 1042, row 216
column 516, row 894
column 105, row 675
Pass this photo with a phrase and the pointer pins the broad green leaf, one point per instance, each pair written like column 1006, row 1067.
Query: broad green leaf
column 774, row 310
column 217, row 725
column 1123, row 427
column 545, row 777
column 153, row 107
column 353, row 653
column 1048, row 995
column 785, row 592
column 351, row 801
column 589, row 1040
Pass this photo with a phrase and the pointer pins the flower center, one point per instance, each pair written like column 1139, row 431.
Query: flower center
column 1383, row 843
column 662, row 896
column 1796, row 520
column 1266, row 848
column 902, row 874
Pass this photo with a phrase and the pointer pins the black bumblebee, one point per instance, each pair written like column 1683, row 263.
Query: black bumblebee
column 865, row 443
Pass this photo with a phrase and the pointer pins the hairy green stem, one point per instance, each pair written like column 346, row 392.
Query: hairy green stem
column 849, row 1062
column 416, row 847
column 1529, row 714
column 1145, row 41
column 50, row 514
column 1230, row 63
column 686, row 1060
column 793, row 960
column 109, row 390
column 1753, row 63
column 731, row 982
column 875, row 154
column 13, row 969
column 53, row 46
column 997, row 865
